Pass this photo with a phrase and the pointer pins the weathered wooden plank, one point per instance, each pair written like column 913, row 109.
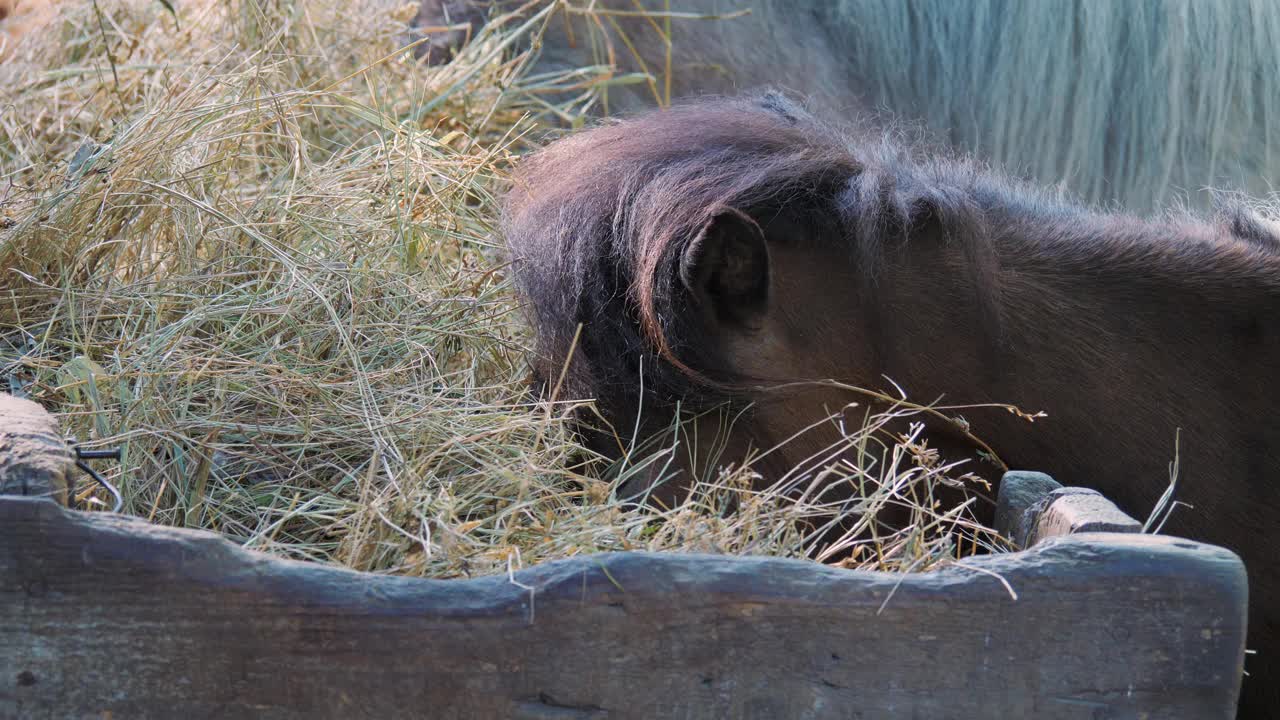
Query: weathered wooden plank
column 1078, row 510
column 1019, row 496
column 1032, row 507
column 105, row 614
column 34, row 458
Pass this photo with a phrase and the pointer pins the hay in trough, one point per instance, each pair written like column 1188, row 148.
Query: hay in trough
column 251, row 244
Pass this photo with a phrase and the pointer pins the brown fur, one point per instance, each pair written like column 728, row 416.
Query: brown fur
column 19, row 17
column 939, row 273
column 444, row 26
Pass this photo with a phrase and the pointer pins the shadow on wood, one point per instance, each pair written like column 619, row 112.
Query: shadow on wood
column 105, row 614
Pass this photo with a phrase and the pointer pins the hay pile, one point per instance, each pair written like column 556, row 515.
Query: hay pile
column 250, row 242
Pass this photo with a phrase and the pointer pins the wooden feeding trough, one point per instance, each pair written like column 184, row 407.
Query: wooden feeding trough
column 107, row 616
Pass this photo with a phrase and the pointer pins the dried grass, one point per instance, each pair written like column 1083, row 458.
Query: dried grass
column 251, row 245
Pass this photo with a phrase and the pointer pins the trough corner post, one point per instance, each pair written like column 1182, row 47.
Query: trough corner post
column 35, row 460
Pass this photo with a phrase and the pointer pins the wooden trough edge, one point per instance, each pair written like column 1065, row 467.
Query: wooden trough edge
column 103, row 615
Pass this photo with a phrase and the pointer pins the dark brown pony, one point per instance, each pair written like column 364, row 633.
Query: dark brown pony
column 710, row 250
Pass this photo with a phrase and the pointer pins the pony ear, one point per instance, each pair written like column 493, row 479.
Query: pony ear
column 726, row 267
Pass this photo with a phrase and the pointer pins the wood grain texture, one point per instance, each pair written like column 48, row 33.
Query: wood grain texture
column 1077, row 510
column 1032, row 507
column 1019, row 501
column 105, row 614
column 34, row 458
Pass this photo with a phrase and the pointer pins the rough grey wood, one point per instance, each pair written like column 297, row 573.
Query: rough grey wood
column 105, row 614
column 1020, row 491
column 1031, row 506
column 34, row 458
column 1077, row 510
